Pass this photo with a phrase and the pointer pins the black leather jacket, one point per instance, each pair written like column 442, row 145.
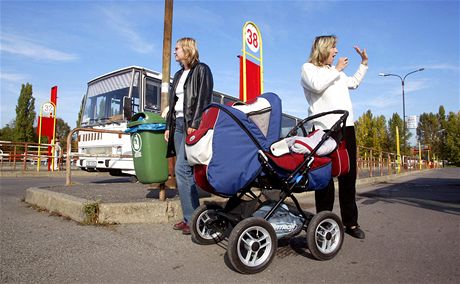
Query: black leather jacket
column 197, row 95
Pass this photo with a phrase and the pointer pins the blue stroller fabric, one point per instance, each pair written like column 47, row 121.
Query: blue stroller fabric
column 235, row 135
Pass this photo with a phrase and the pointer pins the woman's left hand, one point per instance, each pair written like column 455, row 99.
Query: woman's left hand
column 190, row 130
column 363, row 54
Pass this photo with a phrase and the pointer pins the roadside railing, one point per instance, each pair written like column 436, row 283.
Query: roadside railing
column 24, row 156
column 372, row 162
column 27, row 155
column 71, row 156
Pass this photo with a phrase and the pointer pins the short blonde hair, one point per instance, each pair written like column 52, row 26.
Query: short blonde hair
column 320, row 49
column 188, row 44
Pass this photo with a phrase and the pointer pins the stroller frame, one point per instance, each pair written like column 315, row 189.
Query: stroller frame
column 252, row 241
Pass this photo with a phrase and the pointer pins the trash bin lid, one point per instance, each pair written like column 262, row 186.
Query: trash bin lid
column 156, row 127
column 146, row 118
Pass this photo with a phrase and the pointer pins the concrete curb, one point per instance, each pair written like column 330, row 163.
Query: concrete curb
column 154, row 211
column 160, row 212
column 64, row 204
column 32, row 173
column 108, row 213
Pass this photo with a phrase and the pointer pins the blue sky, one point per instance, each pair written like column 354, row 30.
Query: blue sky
column 68, row 43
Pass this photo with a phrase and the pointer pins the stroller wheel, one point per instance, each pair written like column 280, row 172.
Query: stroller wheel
column 207, row 227
column 325, row 235
column 252, row 245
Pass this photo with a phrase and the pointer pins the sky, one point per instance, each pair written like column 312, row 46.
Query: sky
column 68, row 43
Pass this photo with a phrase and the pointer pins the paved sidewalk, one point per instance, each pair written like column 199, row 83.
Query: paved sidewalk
column 118, row 203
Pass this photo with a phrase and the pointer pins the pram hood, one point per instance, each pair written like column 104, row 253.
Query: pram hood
column 224, row 148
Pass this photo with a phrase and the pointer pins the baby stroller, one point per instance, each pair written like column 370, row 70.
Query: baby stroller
column 237, row 153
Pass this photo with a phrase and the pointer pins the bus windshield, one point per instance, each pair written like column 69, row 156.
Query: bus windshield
column 104, row 99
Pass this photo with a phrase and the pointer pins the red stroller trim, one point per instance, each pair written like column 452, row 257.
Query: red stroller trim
column 289, row 162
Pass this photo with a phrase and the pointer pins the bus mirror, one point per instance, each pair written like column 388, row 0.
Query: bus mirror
column 127, row 108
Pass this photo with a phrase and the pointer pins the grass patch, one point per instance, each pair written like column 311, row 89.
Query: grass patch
column 91, row 211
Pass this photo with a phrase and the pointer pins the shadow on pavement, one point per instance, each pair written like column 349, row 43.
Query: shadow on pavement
column 437, row 194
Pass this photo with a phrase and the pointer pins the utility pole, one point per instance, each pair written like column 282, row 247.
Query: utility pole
column 404, row 103
column 166, row 54
column 166, row 77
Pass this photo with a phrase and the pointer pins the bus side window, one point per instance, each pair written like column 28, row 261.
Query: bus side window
column 152, row 96
column 135, row 100
column 216, row 98
column 230, row 100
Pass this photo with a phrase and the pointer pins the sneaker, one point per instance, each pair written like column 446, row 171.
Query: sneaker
column 355, row 232
column 180, row 226
column 186, row 230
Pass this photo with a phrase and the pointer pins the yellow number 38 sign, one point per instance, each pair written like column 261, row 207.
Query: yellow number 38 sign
column 252, row 37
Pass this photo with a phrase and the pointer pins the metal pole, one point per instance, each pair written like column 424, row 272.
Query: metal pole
column 69, row 148
column 166, row 71
column 404, row 117
column 404, row 104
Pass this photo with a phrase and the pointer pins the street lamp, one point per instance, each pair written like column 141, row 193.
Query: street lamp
column 404, row 105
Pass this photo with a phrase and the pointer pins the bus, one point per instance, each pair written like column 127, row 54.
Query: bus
column 110, row 102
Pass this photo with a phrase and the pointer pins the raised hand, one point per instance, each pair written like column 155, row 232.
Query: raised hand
column 363, row 54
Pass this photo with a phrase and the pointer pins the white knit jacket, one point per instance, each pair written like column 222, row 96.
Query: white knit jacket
column 326, row 89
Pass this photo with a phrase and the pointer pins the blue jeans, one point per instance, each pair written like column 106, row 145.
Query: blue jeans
column 186, row 186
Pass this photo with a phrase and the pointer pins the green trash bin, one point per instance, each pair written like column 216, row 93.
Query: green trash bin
column 149, row 147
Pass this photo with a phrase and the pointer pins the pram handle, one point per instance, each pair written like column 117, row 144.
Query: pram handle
column 340, row 123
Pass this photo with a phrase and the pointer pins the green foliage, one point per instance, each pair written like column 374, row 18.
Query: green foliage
column 25, row 116
column 428, row 129
column 7, row 133
column 380, row 133
column 363, row 127
column 371, row 132
column 452, row 138
column 62, row 130
column 91, row 211
column 396, row 121
column 80, row 113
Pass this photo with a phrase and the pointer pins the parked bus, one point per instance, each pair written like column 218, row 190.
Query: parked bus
column 110, row 102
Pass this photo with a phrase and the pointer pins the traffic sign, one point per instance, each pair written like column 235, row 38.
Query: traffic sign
column 48, row 109
column 252, row 37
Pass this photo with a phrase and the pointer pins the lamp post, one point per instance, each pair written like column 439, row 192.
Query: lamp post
column 404, row 105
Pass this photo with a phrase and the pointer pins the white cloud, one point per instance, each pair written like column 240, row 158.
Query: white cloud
column 381, row 102
column 123, row 24
column 26, row 47
column 442, row 66
column 12, row 77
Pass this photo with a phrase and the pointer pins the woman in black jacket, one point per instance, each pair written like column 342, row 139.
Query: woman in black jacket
column 190, row 92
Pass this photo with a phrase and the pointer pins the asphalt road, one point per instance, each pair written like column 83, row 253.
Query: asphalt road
column 412, row 227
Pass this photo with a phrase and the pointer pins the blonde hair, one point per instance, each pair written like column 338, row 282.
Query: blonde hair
column 320, row 49
column 188, row 44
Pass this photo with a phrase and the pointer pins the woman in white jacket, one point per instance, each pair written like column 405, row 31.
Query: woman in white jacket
column 326, row 88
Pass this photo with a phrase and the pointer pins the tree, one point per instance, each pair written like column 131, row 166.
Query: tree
column 395, row 121
column 25, row 116
column 62, row 130
column 363, row 127
column 428, row 132
column 371, row 132
column 452, row 137
column 7, row 133
column 443, row 124
column 80, row 112
column 380, row 133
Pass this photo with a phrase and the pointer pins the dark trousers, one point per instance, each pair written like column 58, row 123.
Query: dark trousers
column 324, row 198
